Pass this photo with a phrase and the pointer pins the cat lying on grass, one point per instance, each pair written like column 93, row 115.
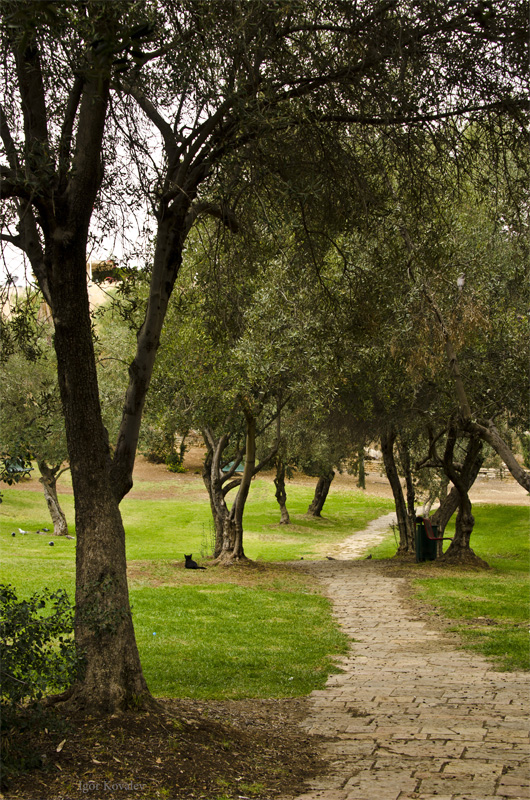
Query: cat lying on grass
column 190, row 563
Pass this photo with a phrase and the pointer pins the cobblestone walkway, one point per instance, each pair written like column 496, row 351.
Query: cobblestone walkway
column 411, row 715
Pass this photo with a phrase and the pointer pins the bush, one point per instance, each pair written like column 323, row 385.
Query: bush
column 38, row 653
column 174, row 463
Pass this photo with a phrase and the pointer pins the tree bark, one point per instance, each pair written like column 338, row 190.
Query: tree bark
column 113, row 677
column 231, row 549
column 406, row 524
column 229, row 522
column 217, row 515
column 404, row 457
column 281, row 494
column 238, row 508
column 166, row 264
column 321, row 493
column 489, row 433
column 49, row 484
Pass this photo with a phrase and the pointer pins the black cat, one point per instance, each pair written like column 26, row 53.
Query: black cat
column 190, row 563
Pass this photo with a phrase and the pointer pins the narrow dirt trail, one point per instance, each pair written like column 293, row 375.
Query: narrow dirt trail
column 411, row 715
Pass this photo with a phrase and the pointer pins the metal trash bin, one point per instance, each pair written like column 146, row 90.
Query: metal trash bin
column 426, row 548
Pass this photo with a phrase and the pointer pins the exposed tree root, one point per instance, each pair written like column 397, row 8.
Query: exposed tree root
column 77, row 700
column 464, row 557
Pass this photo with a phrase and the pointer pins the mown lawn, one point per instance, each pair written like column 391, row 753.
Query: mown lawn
column 265, row 631
column 262, row 631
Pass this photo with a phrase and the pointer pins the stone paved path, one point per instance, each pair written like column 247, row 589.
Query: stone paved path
column 412, row 716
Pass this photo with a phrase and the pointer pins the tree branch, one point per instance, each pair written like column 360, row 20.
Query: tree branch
column 31, row 86
column 158, row 121
column 222, row 212
column 65, row 143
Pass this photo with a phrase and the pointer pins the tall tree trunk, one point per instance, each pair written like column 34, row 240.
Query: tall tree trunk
column 113, row 677
column 166, row 264
column 321, row 493
column 215, row 482
column 217, row 505
column 281, row 494
column 406, row 525
column 49, row 484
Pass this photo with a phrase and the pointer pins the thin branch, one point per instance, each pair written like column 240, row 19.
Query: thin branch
column 157, row 119
column 65, row 143
column 7, row 139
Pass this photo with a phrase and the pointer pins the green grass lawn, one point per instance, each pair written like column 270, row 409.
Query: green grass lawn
column 491, row 609
column 265, row 631
column 242, row 632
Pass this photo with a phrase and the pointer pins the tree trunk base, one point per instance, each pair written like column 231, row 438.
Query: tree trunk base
column 79, row 700
column 227, row 559
column 405, row 552
column 464, row 557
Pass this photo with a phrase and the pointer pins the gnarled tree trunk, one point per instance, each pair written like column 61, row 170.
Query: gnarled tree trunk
column 459, row 551
column 321, row 493
column 232, row 548
column 228, row 540
column 49, row 484
column 473, row 461
column 281, row 494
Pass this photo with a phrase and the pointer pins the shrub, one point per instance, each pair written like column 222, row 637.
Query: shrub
column 38, row 653
column 174, row 463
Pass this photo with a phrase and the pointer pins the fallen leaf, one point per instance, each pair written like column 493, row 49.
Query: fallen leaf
column 116, row 759
column 61, row 745
column 95, row 761
column 58, row 767
column 159, row 761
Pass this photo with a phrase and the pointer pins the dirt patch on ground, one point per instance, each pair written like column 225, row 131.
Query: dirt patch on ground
column 251, row 574
column 155, row 481
column 191, row 749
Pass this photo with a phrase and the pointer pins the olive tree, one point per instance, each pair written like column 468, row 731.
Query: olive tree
column 210, row 80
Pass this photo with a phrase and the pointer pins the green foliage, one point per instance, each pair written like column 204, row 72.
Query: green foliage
column 32, row 421
column 13, row 468
column 38, row 652
column 174, row 463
